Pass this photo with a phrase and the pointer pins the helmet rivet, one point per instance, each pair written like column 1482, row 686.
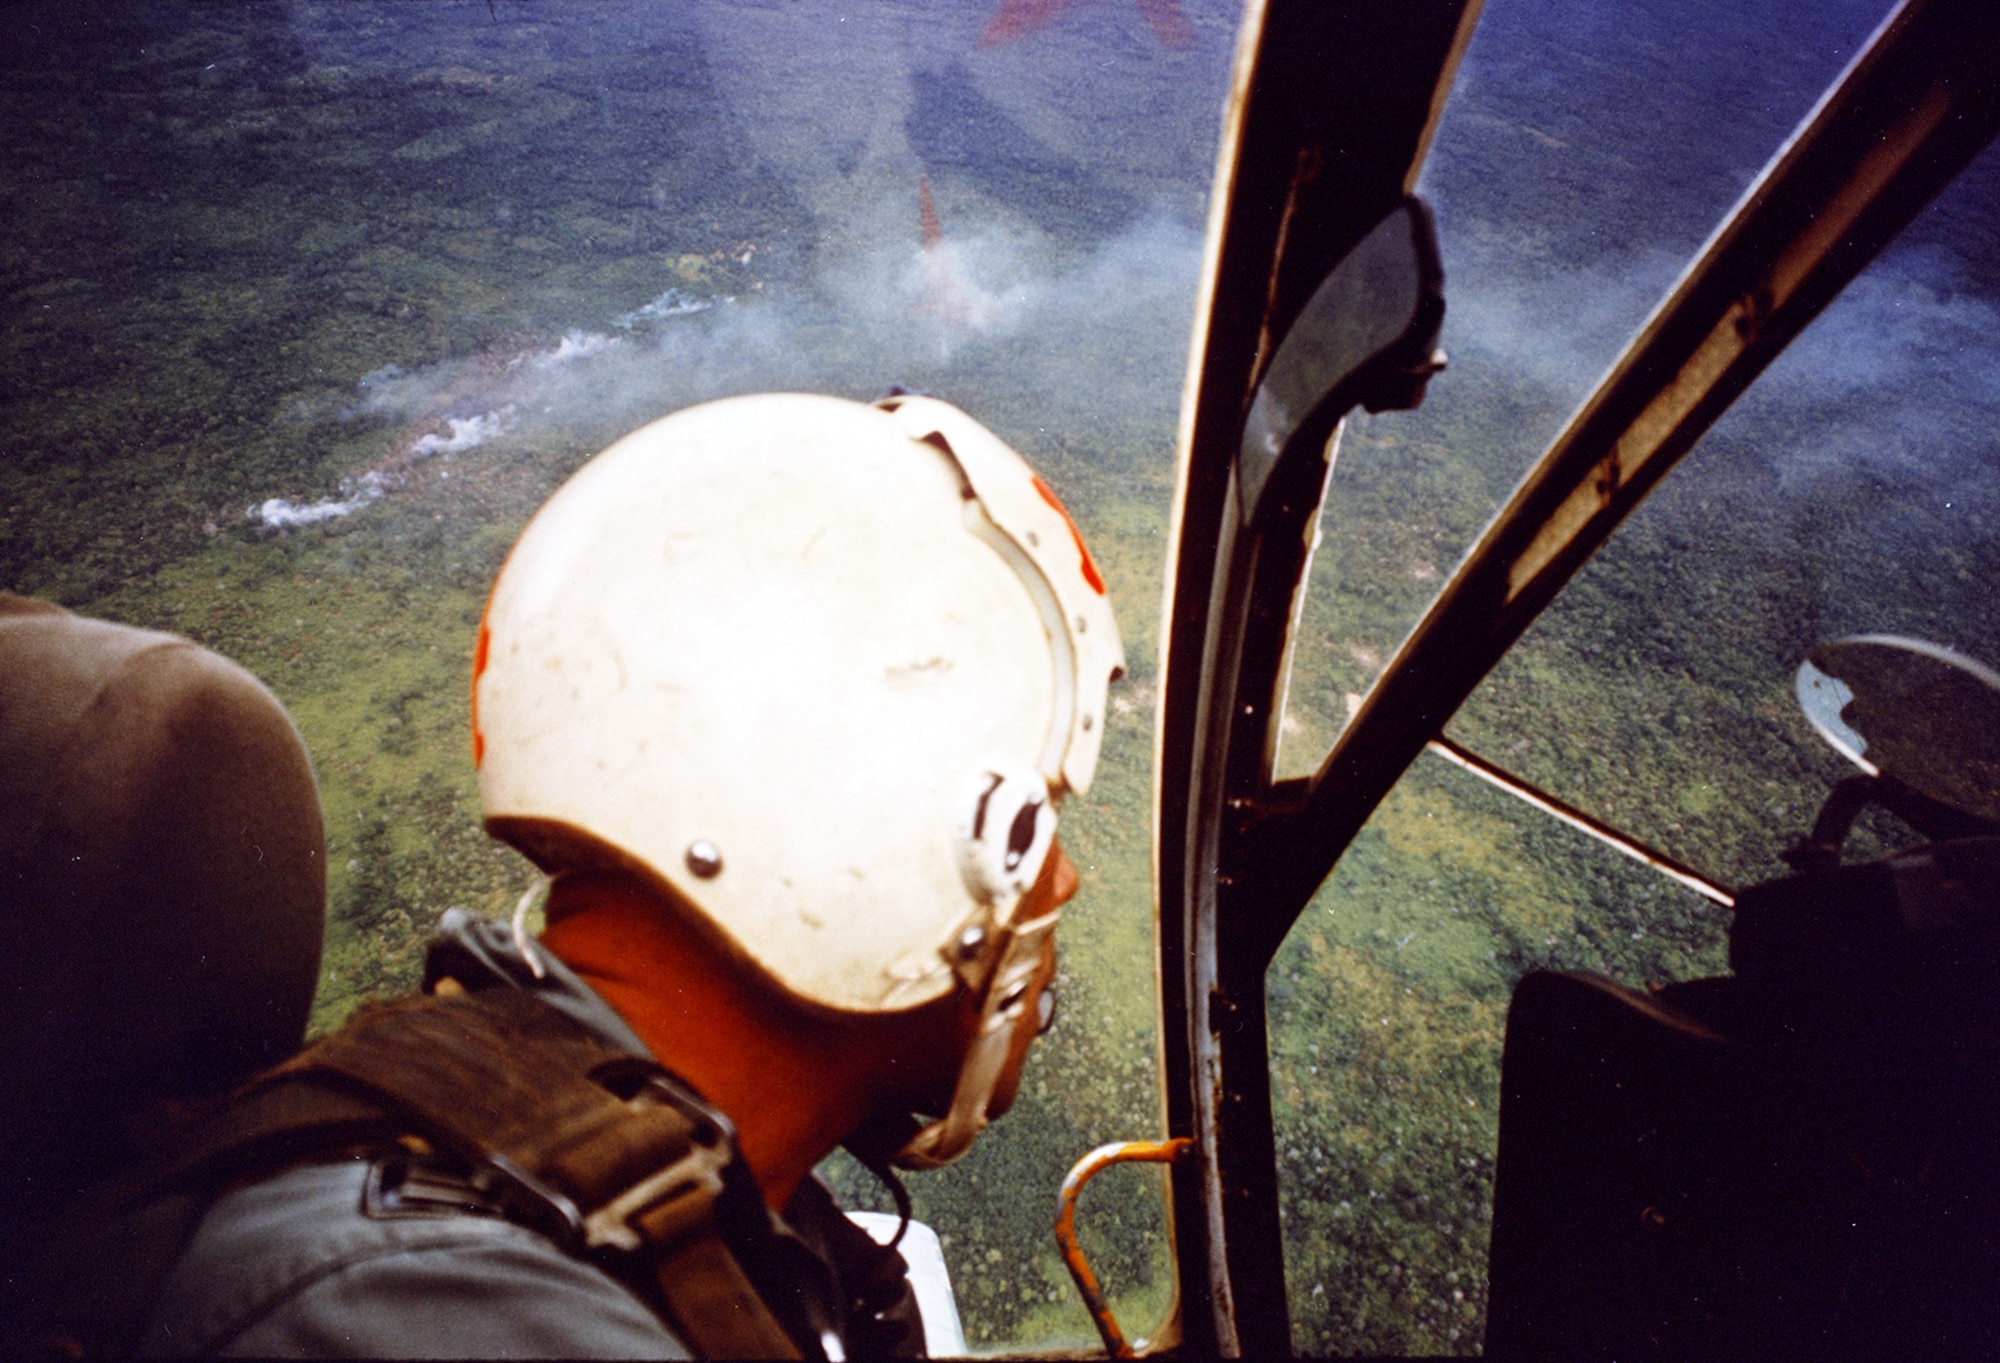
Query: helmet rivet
column 1034, row 540
column 1087, row 722
column 1082, row 625
column 703, row 859
column 969, row 942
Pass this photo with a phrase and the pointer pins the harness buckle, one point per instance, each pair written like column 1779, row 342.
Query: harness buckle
column 664, row 1204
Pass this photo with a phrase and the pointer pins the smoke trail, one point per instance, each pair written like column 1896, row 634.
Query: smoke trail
column 1062, row 339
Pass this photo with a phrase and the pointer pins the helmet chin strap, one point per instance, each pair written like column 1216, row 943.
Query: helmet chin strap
column 1004, row 839
column 1001, row 1011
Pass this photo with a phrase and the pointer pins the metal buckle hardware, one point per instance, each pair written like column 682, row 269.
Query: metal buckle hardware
column 688, row 1187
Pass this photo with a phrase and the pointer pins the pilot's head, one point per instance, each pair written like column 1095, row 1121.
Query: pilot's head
column 816, row 673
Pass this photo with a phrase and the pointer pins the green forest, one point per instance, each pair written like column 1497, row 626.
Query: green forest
column 243, row 271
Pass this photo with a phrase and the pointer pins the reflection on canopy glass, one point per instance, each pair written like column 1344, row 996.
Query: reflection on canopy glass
column 313, row 303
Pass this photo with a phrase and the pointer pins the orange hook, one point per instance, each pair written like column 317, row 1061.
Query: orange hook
column 1087, row 1168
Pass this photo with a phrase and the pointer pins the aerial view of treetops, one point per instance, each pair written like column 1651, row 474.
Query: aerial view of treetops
column 311, row 305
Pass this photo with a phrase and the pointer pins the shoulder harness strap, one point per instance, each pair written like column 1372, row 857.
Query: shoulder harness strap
column 594, row 1147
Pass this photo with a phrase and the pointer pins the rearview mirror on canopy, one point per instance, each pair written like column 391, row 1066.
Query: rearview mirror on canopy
column 1366, row 338
column 1910, row 710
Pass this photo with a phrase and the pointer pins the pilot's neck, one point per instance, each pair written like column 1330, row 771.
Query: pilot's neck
column 794, row 1082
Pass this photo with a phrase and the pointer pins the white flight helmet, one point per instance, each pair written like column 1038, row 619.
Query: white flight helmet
column 822, row 668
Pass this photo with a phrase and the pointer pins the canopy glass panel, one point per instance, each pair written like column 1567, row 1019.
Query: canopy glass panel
column 1851, row 490
column 1586, row 152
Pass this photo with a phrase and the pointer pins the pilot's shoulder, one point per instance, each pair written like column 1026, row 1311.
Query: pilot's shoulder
column 299, row 1265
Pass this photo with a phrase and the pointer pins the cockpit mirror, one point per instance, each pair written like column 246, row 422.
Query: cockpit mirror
column 1366, row 338
column 1913, row 711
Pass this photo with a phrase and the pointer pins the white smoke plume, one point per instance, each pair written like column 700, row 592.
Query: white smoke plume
column 1074, row 334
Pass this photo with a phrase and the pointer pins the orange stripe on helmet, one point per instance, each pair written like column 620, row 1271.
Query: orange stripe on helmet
column 1090, row 573
column 479, row 651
